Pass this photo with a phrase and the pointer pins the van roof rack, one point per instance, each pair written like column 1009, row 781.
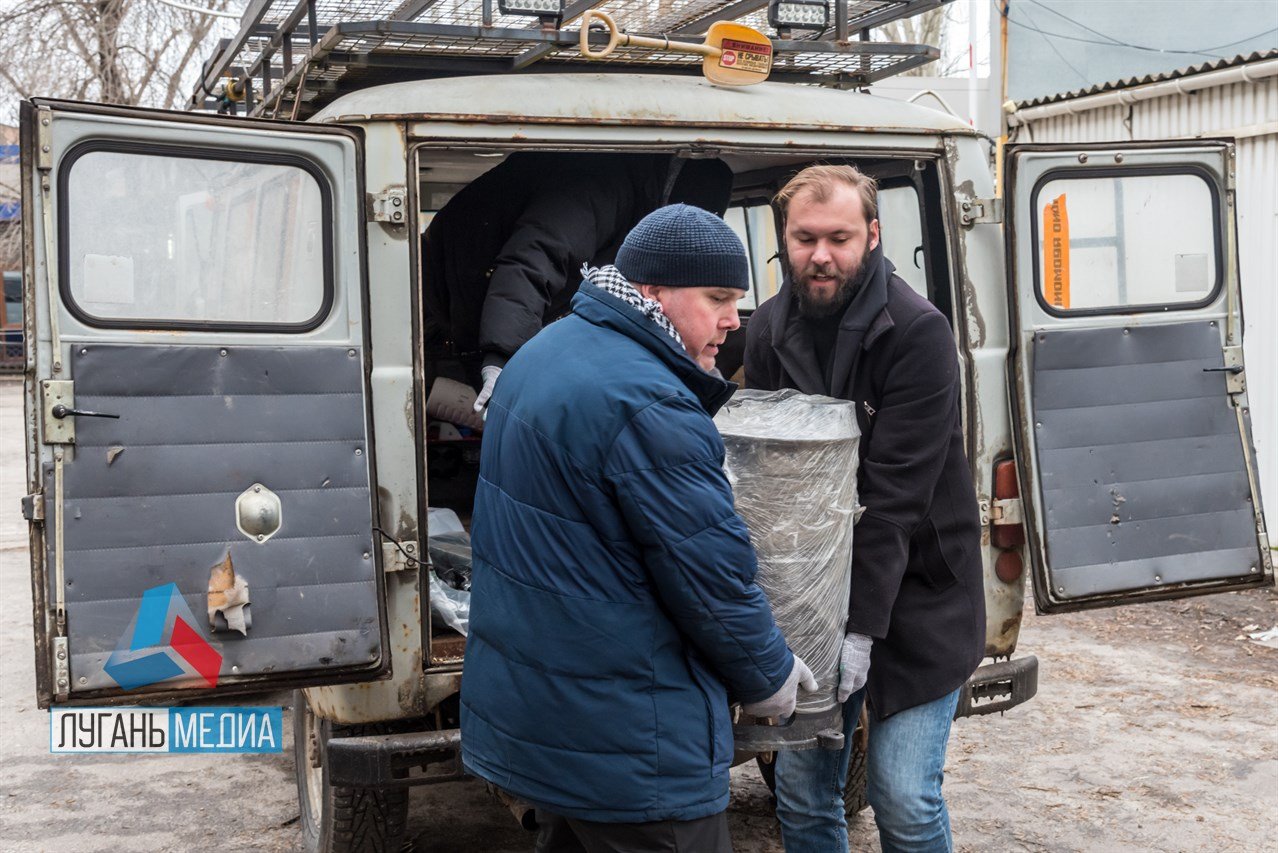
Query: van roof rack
column 291, row 58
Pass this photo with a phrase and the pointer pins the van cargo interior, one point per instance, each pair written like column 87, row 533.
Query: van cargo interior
column 910, row 214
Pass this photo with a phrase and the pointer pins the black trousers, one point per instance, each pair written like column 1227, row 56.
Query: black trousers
column 557, row 834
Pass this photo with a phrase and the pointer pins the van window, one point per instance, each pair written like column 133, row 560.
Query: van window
column 1136, row 241
column 195, row 240
column 901, row 230
column 756, row 225
column 12, row 299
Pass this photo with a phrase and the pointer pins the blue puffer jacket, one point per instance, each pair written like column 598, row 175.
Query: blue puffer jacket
column 613, row 610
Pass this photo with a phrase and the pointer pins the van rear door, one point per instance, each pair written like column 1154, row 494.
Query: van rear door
column 198, row 425
column 1138, row 470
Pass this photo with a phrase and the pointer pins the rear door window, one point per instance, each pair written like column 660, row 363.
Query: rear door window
column 1135, row 242
column 158, row 240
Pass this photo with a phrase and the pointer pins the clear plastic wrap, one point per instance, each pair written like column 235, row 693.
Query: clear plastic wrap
column 450, row 605
column 792, row 460
column 451, row 557
column 448, row 544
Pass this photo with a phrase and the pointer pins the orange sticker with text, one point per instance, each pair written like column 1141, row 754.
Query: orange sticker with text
column 1056, row 253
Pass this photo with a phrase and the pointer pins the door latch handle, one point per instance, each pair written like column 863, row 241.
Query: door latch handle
column 60, row 411
column 1231, row 368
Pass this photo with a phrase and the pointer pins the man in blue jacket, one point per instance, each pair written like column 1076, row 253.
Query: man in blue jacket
column 614, row 613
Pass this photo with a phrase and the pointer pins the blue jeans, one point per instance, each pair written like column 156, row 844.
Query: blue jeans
column 905, row 771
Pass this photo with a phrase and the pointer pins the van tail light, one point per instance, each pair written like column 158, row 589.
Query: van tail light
column 1006, row 488
column 1009, row 566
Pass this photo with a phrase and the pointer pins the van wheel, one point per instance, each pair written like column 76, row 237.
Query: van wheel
column 854, row 801
column 340, row 819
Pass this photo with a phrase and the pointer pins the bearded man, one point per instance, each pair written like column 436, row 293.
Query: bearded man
column 844, row 325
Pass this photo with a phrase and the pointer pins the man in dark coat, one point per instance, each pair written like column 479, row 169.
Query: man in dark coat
column 844, row 325
column 500, row 259
column 614, row 612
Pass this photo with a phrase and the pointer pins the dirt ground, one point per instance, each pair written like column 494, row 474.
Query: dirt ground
column 1155, row 728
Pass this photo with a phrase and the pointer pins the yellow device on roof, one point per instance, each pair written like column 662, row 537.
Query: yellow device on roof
column 732, row 54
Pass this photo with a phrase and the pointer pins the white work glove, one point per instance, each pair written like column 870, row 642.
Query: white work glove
column 854, row 664
column 489, row 374
column 781, row 703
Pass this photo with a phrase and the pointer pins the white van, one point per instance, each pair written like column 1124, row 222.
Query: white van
column 227, row 381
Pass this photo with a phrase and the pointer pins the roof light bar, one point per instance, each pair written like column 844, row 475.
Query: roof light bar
column 799, row 14
column 532, row 8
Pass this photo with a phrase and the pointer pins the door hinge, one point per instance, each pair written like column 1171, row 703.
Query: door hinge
column 57, row 392
column 390, row 205
column 1008, row 511
column 44, row 139
column 1235, row 376
column 61, row 668
column 980, row 211
column 33, row 507
column 396, row 560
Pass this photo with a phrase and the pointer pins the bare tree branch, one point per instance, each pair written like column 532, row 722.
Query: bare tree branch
column 927, row 28
column 173, row 92
column 14, row 82
column 114, row 51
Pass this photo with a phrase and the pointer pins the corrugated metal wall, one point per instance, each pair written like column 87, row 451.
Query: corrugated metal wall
column 1248, row 111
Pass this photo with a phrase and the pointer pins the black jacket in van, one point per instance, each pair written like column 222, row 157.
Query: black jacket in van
column 503, row 256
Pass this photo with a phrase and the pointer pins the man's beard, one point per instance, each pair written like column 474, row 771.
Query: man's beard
column 845, row 288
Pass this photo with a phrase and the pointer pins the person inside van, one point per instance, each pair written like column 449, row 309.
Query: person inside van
column 614, row 611
column 845, row 325
column 503, row 256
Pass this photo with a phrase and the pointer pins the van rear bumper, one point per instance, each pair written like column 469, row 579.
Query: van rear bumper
column 997, row 686
column 380, row 761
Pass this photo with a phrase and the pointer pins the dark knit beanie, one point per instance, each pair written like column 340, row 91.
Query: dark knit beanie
column 684, row 246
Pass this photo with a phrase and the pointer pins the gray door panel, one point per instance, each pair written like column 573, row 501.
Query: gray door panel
column 1134, row 500
column 1098, row 579
column 210, row 468
column 141, row 511
column 1080, row 466
column 1125, row 532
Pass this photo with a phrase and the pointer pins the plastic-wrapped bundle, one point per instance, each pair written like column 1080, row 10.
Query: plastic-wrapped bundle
column 792, row 460
column 448, row 544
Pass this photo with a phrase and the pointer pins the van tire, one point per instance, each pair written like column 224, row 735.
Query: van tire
column 854, row 801
column 341, row 819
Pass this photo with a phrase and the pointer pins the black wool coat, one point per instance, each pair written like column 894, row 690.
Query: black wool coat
column 917, row 577
column 504, row 256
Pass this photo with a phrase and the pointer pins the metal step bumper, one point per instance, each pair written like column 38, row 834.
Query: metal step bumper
column 997, row 686
column 382, row 761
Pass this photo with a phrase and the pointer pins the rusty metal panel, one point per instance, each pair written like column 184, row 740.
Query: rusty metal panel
column 587, row 99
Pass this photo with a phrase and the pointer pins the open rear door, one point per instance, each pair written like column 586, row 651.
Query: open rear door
column 1137, row 465
column 198, row 423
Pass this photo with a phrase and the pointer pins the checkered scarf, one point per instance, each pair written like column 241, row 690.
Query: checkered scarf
column 610, row 279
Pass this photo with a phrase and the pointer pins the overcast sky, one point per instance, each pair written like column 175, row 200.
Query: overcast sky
column 1064, row 45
